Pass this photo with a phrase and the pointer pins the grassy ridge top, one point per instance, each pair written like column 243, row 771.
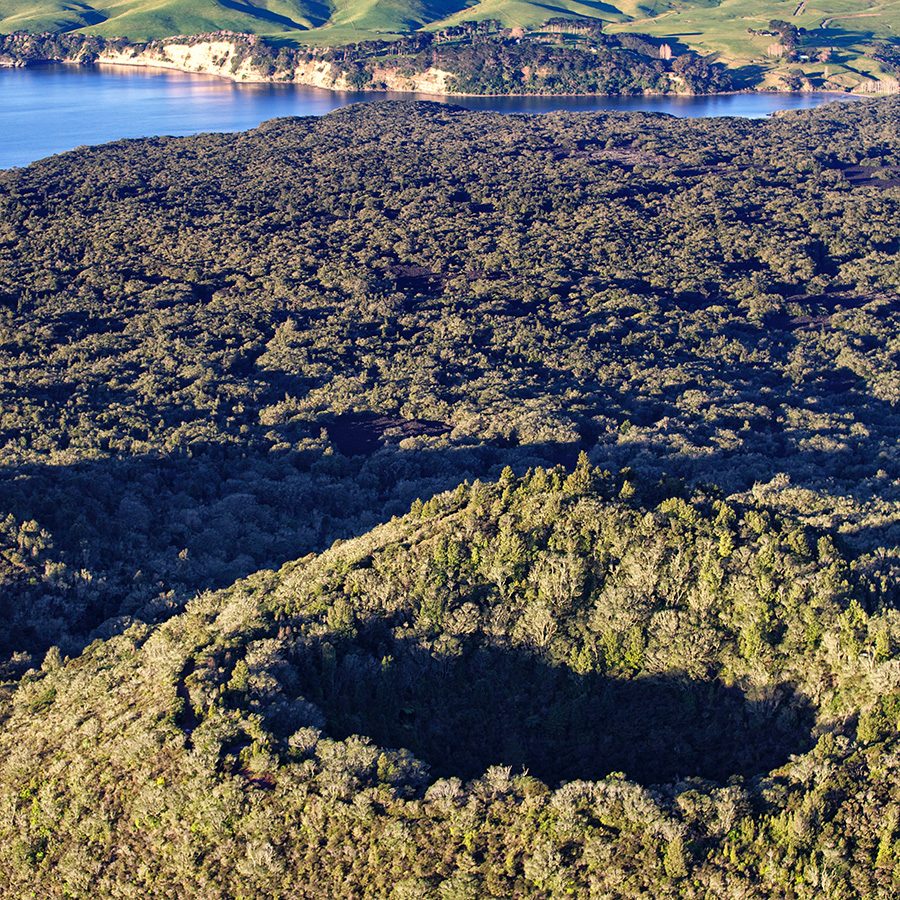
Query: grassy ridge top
column 715, row 26
column 344, row 20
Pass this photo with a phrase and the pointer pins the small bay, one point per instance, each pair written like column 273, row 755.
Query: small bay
column 49, row 109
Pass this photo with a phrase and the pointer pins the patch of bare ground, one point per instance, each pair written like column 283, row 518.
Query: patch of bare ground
column 361, row 434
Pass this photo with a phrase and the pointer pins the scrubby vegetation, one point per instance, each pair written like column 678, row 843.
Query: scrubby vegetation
column 185, row 320
column 604, row 66
column 631, row 383
column 512, row 637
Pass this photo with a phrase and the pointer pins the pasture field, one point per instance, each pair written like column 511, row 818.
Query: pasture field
column 839, row 44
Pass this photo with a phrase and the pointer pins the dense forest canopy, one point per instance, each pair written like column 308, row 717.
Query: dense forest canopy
column 532, row 688
column 427, row 503
column 198, row 335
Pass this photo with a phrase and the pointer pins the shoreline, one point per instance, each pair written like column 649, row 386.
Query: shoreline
column 644, row 71
column 165, row 66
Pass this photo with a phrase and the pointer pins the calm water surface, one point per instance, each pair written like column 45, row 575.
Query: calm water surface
column 48, row 109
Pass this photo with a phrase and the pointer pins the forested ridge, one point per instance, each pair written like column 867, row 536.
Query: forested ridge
column 601, row 410
column 533, row 688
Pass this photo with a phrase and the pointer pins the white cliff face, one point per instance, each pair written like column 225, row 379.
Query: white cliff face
column 225, row 59
column 229, row 55
column 318, row 73
column 431, row 81
column 208, row 58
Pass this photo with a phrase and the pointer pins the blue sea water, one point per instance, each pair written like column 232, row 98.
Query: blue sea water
column 48, row 109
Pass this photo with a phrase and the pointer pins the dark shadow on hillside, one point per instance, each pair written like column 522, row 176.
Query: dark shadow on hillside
column 837, row 37
column 87, row 16
column 508, row 707
column 597, row 6
column 361, row 434
column 748, row 76
column 266, row 15
column 137, row 537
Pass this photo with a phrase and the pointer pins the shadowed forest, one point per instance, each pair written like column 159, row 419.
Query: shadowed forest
column 223, row 353
column 462, row 716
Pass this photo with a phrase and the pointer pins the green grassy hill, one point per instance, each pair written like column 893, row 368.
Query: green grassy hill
column 722, row 27
column 718, row 25
column 359, row 20
column 842, row 34
column 142, row 19
column 145, row 19
column 848, row 26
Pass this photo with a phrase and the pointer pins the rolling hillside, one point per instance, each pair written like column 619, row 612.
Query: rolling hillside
column 719, row 25
column 848, row 26
column 145, row 19
column 849, row 43
column 142, row 19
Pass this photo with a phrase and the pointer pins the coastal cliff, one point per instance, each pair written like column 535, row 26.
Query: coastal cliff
column 227, row 59
column 222, row 58
column 422, row 63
